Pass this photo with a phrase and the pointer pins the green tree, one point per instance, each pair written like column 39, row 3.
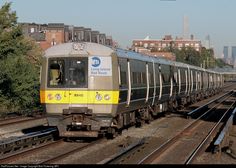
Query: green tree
column 187, row 55
column 19, row 65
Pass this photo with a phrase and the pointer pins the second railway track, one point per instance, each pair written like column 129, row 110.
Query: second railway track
column 185, row 145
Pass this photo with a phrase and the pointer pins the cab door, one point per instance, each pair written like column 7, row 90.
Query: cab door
column 77, row 81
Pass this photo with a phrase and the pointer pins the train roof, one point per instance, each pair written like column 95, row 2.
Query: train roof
column 69, row 49
column 87, row 48
column 134, row 55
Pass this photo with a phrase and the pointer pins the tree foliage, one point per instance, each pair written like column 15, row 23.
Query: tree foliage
column 19, row 65
column 204, row 58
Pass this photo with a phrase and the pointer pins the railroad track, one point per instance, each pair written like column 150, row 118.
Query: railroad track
column 62, row 156
column 18, row 120
column 15, row 145
column 197, row 135
column 50, row 153
column 10, row 126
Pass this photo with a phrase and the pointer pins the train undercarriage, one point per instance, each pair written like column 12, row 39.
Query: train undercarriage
column 77, row 122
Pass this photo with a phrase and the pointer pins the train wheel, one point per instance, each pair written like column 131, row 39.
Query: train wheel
column 138, row 123
column 111, row 133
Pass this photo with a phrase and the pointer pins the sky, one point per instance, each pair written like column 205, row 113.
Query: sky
column 126, row 20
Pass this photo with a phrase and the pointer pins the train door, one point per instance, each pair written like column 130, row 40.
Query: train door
column 200, row 80
column 139, row 83
column 183, row 80
column 151, row 86
column 196, row 78
column 129, row 84
column 124, row 81
column 218, row 80
column 161, row 82
column 57, row 92
column 77, row 81
column 175, row 81
column 187, row 82
column 210, row 81
column 154, row 83
column 166, row 80
column 192, row 82
column 206, row 79
column 179, row 79
column 148, row 77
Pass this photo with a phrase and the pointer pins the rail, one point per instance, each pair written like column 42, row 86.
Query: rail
column 214, row 129
column 114, row 157
column 64, row 155
column 9, row 145
column 223, row 133
column 186, row 131
column 206, row 105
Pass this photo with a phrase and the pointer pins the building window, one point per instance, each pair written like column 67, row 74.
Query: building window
column 145, row 45
column 180, row 45
column 31, row 30
column 164, row 45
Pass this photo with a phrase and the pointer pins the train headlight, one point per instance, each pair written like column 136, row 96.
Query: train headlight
column 107, row 97
column 98, row 97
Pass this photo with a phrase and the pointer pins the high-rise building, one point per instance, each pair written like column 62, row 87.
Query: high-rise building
column 234, row 55
column 226, row 56
column 186, row 28
column 208, row 42
column 226, row 52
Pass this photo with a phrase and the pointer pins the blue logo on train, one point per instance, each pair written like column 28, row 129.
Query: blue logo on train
column 96, row 61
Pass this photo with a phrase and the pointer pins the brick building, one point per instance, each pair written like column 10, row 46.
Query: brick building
column 167, row 42
column 57, row 33
column 47, row 35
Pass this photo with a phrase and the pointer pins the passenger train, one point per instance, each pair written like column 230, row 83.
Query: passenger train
column 90, row 89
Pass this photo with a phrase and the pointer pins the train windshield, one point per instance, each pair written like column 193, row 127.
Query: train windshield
column 68, row 72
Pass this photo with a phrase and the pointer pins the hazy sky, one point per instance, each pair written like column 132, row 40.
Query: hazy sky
column 126, row 20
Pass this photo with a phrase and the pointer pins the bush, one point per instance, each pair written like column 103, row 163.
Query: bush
column 19, row 65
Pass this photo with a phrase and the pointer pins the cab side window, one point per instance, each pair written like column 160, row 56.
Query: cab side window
column 56, row 73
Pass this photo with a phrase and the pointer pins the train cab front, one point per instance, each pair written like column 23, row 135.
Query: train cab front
column 69, row 91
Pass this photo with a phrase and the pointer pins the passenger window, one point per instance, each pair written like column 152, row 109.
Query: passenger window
column 139, row 78
column 134, row 75
column 123, row 78
column 144, row 78
column 151, row 80
column 123, row 72
column 165, row 70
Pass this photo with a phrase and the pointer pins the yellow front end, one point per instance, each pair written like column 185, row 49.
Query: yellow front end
column 79, row 97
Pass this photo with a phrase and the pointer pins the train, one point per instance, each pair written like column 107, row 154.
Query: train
column 88, row 89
